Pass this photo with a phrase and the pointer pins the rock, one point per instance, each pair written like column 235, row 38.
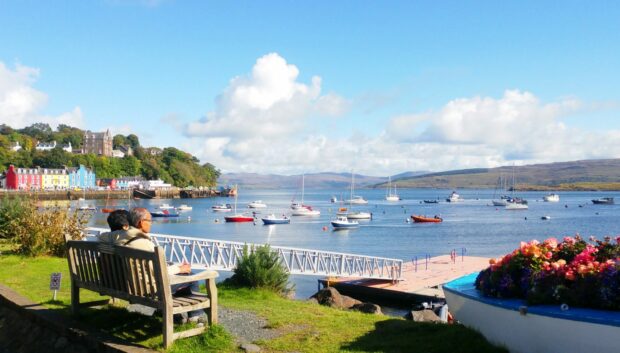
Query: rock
column 368, row 308
column 423, row 316
column 141, row 309
column 249, row 347
column 312, row 300
column 329, row 296
column 61, row 343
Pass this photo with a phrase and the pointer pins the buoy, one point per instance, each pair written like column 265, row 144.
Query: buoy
column 217, row 220
column 406, row 220
column 324, row 228
column 526, row 218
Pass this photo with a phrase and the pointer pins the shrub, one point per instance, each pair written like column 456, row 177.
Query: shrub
column 11, row 211
column 259, row 267
column 37, row 231
column 573, row 272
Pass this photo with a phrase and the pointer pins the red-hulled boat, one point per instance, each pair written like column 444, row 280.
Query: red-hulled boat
column 239, row 218
column 423, row 219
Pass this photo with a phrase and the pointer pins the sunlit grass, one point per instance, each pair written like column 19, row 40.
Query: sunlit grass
column 303, row 327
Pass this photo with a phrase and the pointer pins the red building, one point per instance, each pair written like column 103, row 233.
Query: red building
column 23, row 178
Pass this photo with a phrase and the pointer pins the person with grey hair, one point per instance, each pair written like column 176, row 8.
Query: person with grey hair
column 136, row 236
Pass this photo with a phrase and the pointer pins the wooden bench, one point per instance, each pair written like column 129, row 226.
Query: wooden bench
column 139, row 277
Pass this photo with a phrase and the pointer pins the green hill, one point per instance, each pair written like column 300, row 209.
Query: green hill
column 600, row 174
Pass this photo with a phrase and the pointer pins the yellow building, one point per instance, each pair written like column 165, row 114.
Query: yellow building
column 53, row 179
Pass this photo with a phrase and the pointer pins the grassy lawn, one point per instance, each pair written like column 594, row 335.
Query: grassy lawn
column 305, row 327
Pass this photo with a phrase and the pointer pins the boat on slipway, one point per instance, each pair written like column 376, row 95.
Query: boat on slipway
column 342, row 222
column 272, row 219
column 424, row 219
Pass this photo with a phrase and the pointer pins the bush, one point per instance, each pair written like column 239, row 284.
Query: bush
column 11, row 211
column 572, row 272
column 261, row 268
column 37, row 231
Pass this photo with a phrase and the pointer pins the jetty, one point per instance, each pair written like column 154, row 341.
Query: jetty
column 420, row 281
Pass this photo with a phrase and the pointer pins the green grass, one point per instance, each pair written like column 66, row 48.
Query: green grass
column 305, row 327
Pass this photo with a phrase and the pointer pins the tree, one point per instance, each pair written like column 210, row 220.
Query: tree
column 133, row 141
column 118, row 140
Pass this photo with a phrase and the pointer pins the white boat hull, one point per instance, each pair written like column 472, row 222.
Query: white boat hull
column 500, row 203
column 305, row 212
column 516, row 206
column 551, row 198
column 539, row 329
column 392, row 198
column 358, row 215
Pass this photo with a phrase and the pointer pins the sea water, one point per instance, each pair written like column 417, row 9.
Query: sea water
column 471, row 227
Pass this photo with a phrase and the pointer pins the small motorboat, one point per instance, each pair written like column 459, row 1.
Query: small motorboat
column 222, row 208
column 545, row 218
column 333, row 199
column 166, row 206
column 551, row 198
column 431, row 201
column 237, row 218
column 87, row 208
column 163, row 214
column 342, row 222
column 357, row 200
column 604, row 201
column 108, row 210
column 272, row 219
column 184, row 207
column 424, row 219
column 454, row 197
column 257, row 204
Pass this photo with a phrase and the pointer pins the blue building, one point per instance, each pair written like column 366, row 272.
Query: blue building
column 81, row 177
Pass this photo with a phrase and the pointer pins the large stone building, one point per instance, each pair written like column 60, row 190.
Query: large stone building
column 99, row 143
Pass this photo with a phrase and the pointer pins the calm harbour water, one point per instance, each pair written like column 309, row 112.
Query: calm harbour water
column 473, row 225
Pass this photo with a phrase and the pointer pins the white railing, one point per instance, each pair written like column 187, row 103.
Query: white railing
column 223, row 255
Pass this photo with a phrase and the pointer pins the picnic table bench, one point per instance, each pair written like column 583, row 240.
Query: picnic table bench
column 139, row 277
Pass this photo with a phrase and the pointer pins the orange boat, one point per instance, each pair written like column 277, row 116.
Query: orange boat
column 107, row 210
column 423, row 219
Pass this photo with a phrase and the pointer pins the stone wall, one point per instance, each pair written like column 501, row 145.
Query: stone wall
column 26, row 327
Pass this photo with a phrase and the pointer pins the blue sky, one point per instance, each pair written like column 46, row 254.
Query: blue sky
column 290, row 86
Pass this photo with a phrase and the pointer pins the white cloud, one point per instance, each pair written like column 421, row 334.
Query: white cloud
column 20, row 103
column 261, row 124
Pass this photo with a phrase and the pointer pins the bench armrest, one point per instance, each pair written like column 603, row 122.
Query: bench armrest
column 193, row 277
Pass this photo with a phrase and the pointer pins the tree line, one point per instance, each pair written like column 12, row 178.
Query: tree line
column 171, row 165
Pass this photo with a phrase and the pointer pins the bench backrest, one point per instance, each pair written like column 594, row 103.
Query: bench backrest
column 135, row 275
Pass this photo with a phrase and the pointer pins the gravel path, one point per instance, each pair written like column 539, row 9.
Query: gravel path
column 245, row 325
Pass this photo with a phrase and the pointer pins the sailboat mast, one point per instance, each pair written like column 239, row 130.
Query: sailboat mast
column 303, row 185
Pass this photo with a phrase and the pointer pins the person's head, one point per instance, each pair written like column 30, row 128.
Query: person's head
column 140, row 218
column 118, row 220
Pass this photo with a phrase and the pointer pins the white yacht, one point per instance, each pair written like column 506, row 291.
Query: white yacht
column 389, row 195
column 454, row 197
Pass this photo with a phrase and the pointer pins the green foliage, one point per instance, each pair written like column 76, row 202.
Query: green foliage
column 259, row 267
column 11, row 212
column 36, row 231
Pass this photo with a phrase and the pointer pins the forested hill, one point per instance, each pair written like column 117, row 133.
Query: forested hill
column 597, row 174
column 169, row 164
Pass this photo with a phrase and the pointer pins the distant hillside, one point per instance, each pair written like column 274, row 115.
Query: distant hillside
column 314, row 181
column 586, row 174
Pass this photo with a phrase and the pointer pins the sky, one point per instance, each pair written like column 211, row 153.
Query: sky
column 289, row 87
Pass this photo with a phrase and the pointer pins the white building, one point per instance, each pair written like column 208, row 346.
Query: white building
column 67, row 148
column 154, row 184
column 15, row 146
column 45, row 146
column 118, row 154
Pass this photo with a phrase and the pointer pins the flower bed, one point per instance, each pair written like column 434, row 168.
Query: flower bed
column 574, row 272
